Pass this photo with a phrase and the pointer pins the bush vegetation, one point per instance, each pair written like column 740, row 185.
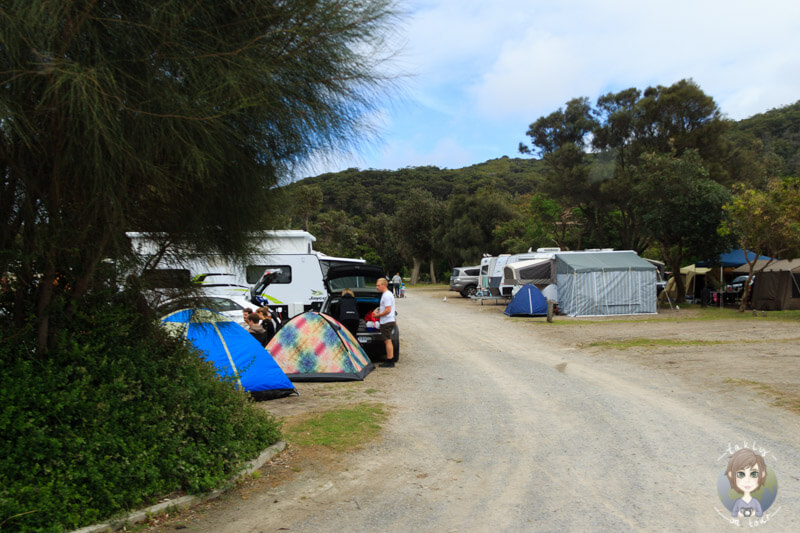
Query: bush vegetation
column 116, row 416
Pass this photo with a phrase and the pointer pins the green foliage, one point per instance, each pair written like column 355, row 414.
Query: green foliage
column 766, row 221
column 779, row 132
column 470, row 223
column 118, row 415
column 680, row 208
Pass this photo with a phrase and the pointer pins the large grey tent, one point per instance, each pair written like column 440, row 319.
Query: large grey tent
column 605, row 283
column 777, row 287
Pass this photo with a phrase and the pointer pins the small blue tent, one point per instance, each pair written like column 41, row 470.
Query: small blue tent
column 529, row 301
column 232, row 350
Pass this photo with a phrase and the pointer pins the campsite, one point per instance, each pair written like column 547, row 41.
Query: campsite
column 488, row 413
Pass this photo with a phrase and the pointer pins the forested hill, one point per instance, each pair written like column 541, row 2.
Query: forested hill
column 646, row 166
column 371, row 192
column 779, row 130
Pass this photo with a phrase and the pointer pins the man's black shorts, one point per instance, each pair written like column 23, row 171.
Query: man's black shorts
column 386, row 330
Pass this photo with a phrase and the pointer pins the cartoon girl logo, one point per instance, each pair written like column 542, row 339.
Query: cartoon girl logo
column 746, row 487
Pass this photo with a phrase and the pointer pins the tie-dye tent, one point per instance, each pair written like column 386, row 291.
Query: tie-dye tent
column 316, row 347
column 232, row 350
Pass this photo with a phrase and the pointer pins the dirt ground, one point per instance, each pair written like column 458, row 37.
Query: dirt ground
column 754, row 348
column 707, row 364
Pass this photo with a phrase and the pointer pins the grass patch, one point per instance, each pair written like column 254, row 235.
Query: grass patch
column 652, row 343
column 780, row 398
column 338, row 429
column 659, row 343
column 688, row 312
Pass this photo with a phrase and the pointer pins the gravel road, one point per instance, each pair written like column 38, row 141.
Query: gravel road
column 496, row 427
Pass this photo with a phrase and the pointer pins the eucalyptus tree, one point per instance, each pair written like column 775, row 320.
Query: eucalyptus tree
column 469, row 226
column 171, row 117
column 416, row 222
column 680, row 208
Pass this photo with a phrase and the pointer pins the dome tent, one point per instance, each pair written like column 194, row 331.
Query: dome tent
column 529, row 301
column 232, row 350
column 316, row 347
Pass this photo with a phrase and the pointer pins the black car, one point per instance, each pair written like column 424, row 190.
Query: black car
column 360, row 278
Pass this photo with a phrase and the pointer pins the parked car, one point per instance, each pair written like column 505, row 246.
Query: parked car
column 737, row 285
column 360, row 278
column 229, row 306
column 464, row 280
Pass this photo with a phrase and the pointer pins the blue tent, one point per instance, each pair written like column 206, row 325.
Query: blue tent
column 232, row 350
column 529, row 301
column 731, row 258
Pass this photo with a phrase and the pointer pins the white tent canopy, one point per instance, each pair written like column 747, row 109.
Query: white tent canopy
column 535, row 271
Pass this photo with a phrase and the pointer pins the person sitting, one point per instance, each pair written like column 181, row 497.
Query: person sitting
column 348, row 311
column 255, row 329
column 268, row 321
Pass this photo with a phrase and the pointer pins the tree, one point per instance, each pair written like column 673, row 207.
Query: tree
column 538, row 222
column 163, row 117
column 659, row 120
column 416, row 221
column 469, row 225
column 680, row 208
column 337, row 234
column 766, row 222
column 306, row 200
column 561, row 139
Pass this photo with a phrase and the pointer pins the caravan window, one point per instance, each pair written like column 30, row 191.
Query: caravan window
column 254, row 273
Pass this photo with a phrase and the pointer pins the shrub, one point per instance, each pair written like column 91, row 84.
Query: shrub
column 116, row 416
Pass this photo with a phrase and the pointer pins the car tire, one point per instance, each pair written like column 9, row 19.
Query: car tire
column 469, row 291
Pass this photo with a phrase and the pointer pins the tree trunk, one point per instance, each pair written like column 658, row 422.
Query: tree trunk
column 433, row 272
column 45, row 298
column 674, row 262
column 415, row 271
column 750, row 273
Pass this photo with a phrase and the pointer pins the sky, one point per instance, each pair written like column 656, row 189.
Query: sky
column 472, row 75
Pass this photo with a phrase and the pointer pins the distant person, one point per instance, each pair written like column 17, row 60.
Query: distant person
column 397, row 281
column 245, row 312
column 348, row 311
column 386, row 316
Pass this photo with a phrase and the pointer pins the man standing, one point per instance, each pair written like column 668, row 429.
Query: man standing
column 397, row 281
column 386, row 316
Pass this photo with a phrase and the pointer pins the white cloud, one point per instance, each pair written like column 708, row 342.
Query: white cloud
column 612, row 45
column 481, row 71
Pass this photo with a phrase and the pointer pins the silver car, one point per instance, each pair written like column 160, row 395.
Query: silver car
column 464, row 280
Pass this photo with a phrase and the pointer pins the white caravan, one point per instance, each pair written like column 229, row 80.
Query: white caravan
column 297, row 271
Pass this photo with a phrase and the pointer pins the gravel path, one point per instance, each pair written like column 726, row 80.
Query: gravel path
column 496, row 428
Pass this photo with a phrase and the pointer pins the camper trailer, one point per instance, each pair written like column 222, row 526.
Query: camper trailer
column 507, row 284
column 285, row 272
